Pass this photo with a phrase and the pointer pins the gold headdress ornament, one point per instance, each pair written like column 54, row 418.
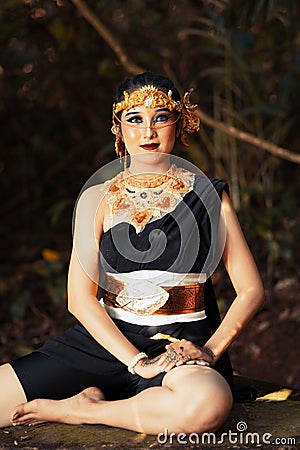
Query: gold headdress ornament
column 151, row 97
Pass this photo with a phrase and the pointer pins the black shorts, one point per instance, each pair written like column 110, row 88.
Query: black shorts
column 73, row 361
column 43, row 376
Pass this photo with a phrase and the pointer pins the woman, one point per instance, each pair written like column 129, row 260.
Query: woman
column 149, row 355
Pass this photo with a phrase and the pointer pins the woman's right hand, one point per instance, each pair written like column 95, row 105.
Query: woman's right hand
column 148, row 368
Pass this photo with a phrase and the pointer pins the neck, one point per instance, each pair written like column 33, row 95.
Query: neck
column 157, row 165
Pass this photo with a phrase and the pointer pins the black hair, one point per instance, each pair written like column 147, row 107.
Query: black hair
column 135, row 82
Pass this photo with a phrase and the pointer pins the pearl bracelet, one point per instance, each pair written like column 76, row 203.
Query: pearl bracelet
column 135, row 360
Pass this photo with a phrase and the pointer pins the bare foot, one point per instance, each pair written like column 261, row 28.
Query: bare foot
column 74, row 410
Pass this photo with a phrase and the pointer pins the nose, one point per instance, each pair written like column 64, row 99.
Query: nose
column 149, row 130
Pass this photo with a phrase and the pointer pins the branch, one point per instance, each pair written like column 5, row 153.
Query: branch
column 250, row 138
column 131, row 67
column 107, row 36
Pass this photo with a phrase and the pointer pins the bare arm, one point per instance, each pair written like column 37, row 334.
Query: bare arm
column 246, row 281
column 83, row 282
column 245, row 278
column 83, row 277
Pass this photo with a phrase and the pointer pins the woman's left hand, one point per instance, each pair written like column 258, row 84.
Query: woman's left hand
column 185, row 352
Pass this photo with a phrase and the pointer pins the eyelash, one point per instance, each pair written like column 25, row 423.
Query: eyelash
column 138, row 119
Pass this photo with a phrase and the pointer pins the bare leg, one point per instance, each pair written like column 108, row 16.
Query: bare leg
column 11, row 393
column 192, row 399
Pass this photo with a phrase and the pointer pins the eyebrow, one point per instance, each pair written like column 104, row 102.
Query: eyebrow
column 138, row 112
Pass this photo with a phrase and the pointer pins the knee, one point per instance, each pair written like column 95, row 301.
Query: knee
column 205, row 413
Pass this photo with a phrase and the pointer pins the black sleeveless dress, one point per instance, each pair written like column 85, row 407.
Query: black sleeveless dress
column 73, row 360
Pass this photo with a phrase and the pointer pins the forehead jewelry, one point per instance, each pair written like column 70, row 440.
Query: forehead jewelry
column 151, row 97
column 148, row 96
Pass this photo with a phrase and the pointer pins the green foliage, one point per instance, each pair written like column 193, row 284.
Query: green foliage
column 57, row 81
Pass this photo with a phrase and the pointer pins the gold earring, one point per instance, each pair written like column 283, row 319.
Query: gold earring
column 119, row 146
column 125, row 159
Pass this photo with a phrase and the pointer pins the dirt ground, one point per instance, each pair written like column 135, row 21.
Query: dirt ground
column 267, row 350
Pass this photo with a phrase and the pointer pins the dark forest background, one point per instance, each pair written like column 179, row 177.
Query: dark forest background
column 60, row 61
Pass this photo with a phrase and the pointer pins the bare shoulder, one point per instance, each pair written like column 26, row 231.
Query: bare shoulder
column 226, row 202
column 92, row 194
column 90, row 208
column 91, row 200
column 229, row 214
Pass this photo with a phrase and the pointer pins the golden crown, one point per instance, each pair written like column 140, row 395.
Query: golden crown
column 151, row 97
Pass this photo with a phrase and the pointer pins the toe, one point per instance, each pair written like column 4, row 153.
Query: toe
column 24, row 420
column 17, row 412
column 34, row 423
column 23, row 411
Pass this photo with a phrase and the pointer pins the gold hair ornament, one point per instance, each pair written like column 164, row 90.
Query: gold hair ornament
column 151, row 97
column 190, row 121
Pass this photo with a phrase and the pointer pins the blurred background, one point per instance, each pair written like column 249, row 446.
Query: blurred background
column 60, row 61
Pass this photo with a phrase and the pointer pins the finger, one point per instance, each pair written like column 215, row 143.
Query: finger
column 175, row 363
column 186, row 358
column 198, row 362
column 162, row 360
column 169, row 363
column 173, row 345
column 179, row 363
column 168, row 367
column 165, row 360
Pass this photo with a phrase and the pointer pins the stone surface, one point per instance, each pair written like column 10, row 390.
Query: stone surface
column 271, row 422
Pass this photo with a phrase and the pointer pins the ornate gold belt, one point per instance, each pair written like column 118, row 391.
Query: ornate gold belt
column 182, row 299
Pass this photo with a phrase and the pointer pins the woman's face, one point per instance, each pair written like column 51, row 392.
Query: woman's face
column 148, row 130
